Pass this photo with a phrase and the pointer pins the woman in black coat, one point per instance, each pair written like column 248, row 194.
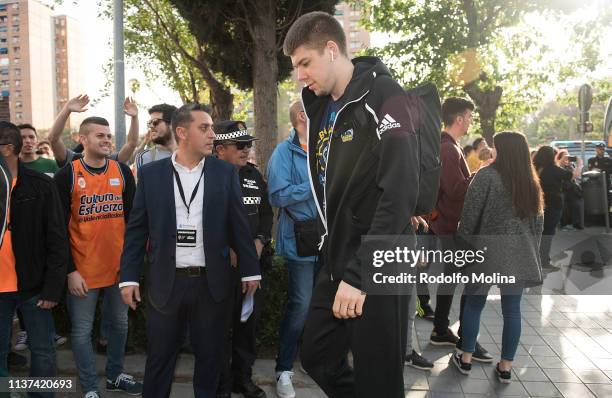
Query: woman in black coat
column 552, row 179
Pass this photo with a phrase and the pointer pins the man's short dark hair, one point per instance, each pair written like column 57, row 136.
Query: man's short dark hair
column 453, row 107
column 165, row 109
column 10, row 134
column 92, row 120
column 183, row 118
column 314, row 30
column 27, row 126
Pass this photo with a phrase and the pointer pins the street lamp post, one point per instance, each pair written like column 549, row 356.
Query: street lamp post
column 119, row 73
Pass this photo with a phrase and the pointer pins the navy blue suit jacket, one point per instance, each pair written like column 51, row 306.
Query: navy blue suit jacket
column 153, row 219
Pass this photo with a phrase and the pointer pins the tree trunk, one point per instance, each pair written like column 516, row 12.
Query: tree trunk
column 265, row 73
column 221, row 102
column 221, row 98
column 487, row 102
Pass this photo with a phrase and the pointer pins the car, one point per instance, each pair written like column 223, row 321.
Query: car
column 574, row 148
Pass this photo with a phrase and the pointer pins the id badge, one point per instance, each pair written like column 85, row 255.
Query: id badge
column 186, row 236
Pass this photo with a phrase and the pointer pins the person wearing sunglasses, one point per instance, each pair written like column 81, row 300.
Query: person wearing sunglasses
column 232, row 144
column 160, row 134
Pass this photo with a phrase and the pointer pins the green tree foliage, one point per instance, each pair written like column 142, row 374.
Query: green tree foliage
column 558, row 119
column 242, row 41
column 479, row 47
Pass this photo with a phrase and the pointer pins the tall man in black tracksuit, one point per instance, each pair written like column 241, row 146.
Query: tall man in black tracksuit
column 232, row 144
column 5, row 188
column 364, row 168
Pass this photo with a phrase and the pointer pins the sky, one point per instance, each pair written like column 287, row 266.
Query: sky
column 98, row 32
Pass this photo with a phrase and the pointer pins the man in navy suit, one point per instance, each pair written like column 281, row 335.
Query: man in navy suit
column 189, row 209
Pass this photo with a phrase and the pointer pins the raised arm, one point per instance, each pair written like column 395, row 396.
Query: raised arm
column 131, row 110
column 76, row 104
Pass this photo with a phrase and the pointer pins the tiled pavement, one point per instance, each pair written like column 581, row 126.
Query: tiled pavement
column 565, row 351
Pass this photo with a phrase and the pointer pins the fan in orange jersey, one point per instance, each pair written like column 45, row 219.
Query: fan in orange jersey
column 97, row 194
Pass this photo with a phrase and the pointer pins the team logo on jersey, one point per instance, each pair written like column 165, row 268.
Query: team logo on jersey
column 81, row 182
column 114, row 182
column 347, row 136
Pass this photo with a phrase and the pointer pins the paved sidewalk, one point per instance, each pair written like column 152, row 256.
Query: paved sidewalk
column 565, row 348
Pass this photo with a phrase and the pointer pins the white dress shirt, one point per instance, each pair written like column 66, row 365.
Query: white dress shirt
column 190, row 256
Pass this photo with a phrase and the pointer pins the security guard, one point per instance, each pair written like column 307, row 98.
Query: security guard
column 600, row 161
column 232, row 144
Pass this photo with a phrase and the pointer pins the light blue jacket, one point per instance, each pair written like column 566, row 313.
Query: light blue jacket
column 289, row 189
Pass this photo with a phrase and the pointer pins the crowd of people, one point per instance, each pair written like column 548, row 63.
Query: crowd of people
column 187, row 214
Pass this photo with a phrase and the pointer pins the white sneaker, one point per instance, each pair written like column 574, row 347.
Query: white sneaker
column 22, row 341
column 284, row 387
column 92, row 394
column 59, row 340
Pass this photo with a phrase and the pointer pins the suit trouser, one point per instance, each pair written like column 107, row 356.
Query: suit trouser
column 190, row 306
column 377, row 340
column 241, row 340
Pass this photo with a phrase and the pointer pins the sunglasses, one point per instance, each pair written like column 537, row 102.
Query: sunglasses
column 240, row 145
column 155, row 122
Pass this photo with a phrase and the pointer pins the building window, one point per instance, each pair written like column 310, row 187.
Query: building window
column 354, row 13
column 15, row 40
column 15, row 18
column 355, row 45
column 17, row 72
column 2, row 7
column 16, row 49
column 16, row 61
column 353, row 34
column 15, row 6
column 4, row 61
column 353, row 25
column 18, row 93
column 17, row 82
column 18, row 104
column 15, row 28
column 339, row 13
column 3, row 19
column 19, row 115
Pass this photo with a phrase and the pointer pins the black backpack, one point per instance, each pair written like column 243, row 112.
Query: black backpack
column 426, row 101
column 426, row 112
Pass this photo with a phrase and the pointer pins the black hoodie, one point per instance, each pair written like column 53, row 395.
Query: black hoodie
column 5, row 189
column 371, row 181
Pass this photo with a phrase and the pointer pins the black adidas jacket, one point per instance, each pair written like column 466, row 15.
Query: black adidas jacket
column 371, row 182
column 5, row 189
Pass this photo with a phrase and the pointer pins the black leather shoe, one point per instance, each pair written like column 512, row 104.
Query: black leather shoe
column 248, row 389
column 224, row 395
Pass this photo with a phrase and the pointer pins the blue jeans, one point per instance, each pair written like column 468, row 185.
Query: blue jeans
column 301, row 280
column 39, row 325
column 82, row 313
column 511, row 310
